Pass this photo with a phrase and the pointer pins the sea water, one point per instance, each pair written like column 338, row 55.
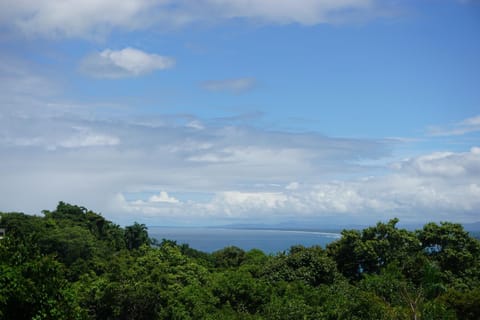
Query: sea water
column 269, row 241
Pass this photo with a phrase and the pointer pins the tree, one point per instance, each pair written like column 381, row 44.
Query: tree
column 32, row 285
column 450, row 246
column 136, row 235
column 369, row 250
column 229, row 257
column 311, row 265
column 466, row 304
column 240, row 291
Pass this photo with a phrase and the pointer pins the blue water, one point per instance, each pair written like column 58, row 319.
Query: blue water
column 269, row 241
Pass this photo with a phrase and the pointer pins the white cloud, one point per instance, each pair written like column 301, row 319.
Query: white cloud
column 127, row 62
column 91, row 18
column 163, row 197
column 237, row 85
column 468, row 125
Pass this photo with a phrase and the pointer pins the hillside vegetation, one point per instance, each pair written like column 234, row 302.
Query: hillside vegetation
column 72, row 263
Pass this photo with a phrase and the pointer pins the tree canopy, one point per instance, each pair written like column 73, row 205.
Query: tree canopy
column 72, row 263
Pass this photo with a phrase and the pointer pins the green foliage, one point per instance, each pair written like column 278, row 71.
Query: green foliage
column 229, row 257
column 240, row 291
column 200, row 257
column 311, row 265
column 282, row 308
column 32, row 285
column 369, row 250
column 466, row 304
column 345, row 301
column 136, row 235
column 74, row 264
column 450, row 246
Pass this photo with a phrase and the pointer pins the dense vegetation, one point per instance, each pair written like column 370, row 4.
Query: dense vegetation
column 74, row 264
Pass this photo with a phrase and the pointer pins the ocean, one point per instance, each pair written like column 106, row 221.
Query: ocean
column 269, row 241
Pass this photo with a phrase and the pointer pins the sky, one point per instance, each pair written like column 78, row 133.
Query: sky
column 214, row 112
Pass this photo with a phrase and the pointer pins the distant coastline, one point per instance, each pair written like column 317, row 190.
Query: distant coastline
column 332, row 233
column 335, row 233
column 269, row 240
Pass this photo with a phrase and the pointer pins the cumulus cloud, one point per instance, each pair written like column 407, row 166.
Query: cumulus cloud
column 163, row 197
column 127, row 62
column 87, row 18
column 236, row 85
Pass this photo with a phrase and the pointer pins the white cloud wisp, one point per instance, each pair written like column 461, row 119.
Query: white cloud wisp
column 469, row 125
column 127, row 62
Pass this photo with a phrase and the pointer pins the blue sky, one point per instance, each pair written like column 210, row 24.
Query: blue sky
column 211, row 112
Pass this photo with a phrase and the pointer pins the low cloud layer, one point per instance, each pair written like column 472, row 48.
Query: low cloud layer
column 411, row 195
column 167, row 169
column 127, row 62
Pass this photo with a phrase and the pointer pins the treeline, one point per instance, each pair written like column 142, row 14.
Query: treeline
column 74, row 264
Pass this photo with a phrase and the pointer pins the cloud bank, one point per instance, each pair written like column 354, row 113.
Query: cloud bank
column 413, row 195
column 167, row 170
